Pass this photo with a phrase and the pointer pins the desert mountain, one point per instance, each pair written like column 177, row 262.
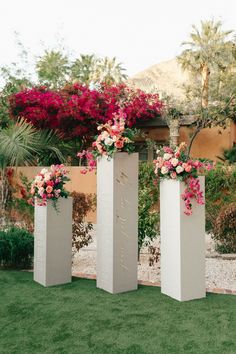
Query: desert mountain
column 164, row 78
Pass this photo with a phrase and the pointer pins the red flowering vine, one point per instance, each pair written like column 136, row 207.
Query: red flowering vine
column 76, row 110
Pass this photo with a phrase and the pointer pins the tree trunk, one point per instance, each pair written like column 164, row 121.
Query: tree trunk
column 205, row 85
column 192, row 140
column 174, row 132
column 4, row 187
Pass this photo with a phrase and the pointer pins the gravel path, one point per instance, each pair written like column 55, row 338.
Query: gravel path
column 220, row 271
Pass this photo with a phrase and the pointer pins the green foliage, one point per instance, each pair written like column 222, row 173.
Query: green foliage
column 211, row 90
column 230, row 155
column 109, row 71
column 19, row 210
column 52, row 69
column 16, row 248
column 91, row 69
column 83, row 69
column 148, row 221
column 225, row 229
column 82, row 205
column 16, row 77
column 205, row 46
column 12, row 86
column 22, row 143
column 220, row 193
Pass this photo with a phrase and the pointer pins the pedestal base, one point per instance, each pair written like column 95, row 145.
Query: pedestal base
column 182, row 244
column 117, row 223
column 53, row 243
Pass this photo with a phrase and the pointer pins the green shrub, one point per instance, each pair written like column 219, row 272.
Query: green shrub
column 230, row 155
column 225, row 229
column 81, row 230
column 16, row 248
column 220, row 194
column 148, row 218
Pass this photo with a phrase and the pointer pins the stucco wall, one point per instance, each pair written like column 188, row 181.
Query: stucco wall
column 209, row 143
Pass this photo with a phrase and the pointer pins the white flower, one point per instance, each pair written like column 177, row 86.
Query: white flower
column 108, row 141
column 43, row 171
column 104, row 135
column 38, row 178
column 164, row 170
column 179, row 169
column 157, row 151
column 174, row 162
column 114, row 138
column 167, row 156
column 47, row 176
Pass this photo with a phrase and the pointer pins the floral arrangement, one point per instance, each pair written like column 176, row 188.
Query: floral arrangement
column 113, row 137
column 76, row 110
column 175, row 164
column 49, row 184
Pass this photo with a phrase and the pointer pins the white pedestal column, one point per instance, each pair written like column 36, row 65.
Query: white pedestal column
column 117, row 223
column 182, row 244
column 53, row 243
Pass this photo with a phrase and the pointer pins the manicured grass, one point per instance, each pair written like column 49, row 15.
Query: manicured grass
column 78, row 318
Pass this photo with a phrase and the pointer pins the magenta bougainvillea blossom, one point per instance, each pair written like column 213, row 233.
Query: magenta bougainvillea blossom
column 76, row 110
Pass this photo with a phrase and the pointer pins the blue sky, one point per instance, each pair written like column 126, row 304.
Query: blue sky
column 139, row 33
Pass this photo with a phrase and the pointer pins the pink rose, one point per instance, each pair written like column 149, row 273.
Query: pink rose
column 177, row 154
column 188, row 168
column 49, row 189
column 119, row 144
column 173, row 175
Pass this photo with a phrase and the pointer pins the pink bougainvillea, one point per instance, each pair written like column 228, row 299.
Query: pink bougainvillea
column 76, row 110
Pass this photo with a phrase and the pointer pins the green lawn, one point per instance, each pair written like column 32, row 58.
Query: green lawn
column 78, row 318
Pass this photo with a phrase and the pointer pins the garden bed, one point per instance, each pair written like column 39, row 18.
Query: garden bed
column 220, row 269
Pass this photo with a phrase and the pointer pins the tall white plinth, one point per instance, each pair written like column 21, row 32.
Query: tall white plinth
column 53, row 243
column 117, row 223
column 182, row 244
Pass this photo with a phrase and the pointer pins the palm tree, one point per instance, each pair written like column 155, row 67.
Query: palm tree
column 90, row 69
column 205, row 51
column 21, row 144
column 83, row 68
column 52, row 69
column 109, row 71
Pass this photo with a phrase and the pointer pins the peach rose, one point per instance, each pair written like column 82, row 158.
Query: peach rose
column 49, row 189
column 188, row 168
column 119, row 144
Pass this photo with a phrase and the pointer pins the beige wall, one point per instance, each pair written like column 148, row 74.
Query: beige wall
column 209, row 143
